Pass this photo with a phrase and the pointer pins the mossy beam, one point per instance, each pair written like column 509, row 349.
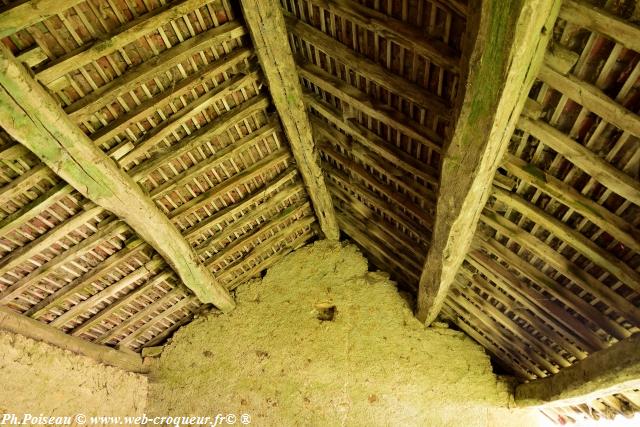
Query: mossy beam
column 33, row 117
column 505, row 51
column 606, row 372
column 269, row 34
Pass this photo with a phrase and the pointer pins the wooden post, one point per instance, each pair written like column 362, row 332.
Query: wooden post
column 18, row 324
column 30, row 115
column 269, row 34
column 508, row 49
column 606, row 372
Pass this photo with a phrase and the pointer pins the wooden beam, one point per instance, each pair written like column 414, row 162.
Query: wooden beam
column 40, row 204
column 25, row 182
column 168, row 126
column 372, row 141
column 123, row 35
column 369, row 69
column 375, row 109
column 149, row 106
column 572, row 237
column 395, row 31
column 359, row 173
column 109, row 292
column 498, row 352
column 371, row 160
column 593, row 99
column 18, row 324
column 586, row 15
column 585, row 159
column 57, row 298
column 562, row 295
column 106, row 230
column 112, row 333
column 564, row 266
column 278, row 156
column 392, row 210
column 27, row 13
column 508, row 49
column 269, row 34
column 617, row 227
column 205, row 133
column 84, row 107
column 30, row 115
column 604, row 373
column 23, row 253
column 525, row 298
column 236, row 228
column 124, row 302
column 271, row 260
column 560, row 59
column 219, row 218
column 544, row 308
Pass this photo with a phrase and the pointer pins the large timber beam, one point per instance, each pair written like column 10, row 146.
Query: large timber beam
column 269, row 34
column 605, row 372
column 16, row 323
column 31, row 116
column 507, row 52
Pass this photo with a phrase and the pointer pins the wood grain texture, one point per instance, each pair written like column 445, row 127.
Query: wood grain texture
column 269, row 34
column 507, row 52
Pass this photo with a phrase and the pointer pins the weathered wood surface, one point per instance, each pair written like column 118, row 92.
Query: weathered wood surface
column 18, row 324
column 32, row 116
column 606, row 372
column 269, row 34
column 508, row 49
column 26, row 13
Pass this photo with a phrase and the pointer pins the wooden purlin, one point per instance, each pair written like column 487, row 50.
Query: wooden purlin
column 119, row 100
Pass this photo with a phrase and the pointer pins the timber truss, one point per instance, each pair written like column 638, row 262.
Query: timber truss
column 157, row 154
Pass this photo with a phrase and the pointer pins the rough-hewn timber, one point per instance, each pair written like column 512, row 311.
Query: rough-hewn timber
column 32, row 116
column 19, row 324
column 508, row 51
column 269, row 34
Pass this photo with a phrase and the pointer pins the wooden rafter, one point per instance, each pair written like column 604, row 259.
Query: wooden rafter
column 268, row 32
column 32, row 117
column 502, row 68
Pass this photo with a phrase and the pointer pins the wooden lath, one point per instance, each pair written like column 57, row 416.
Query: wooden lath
column 180, row 105
column 553, row 272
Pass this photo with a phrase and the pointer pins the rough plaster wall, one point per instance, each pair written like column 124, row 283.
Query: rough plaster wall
column 37, row 378
column 374, row 364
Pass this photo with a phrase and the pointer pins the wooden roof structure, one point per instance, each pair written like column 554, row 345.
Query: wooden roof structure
column 156, row 154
